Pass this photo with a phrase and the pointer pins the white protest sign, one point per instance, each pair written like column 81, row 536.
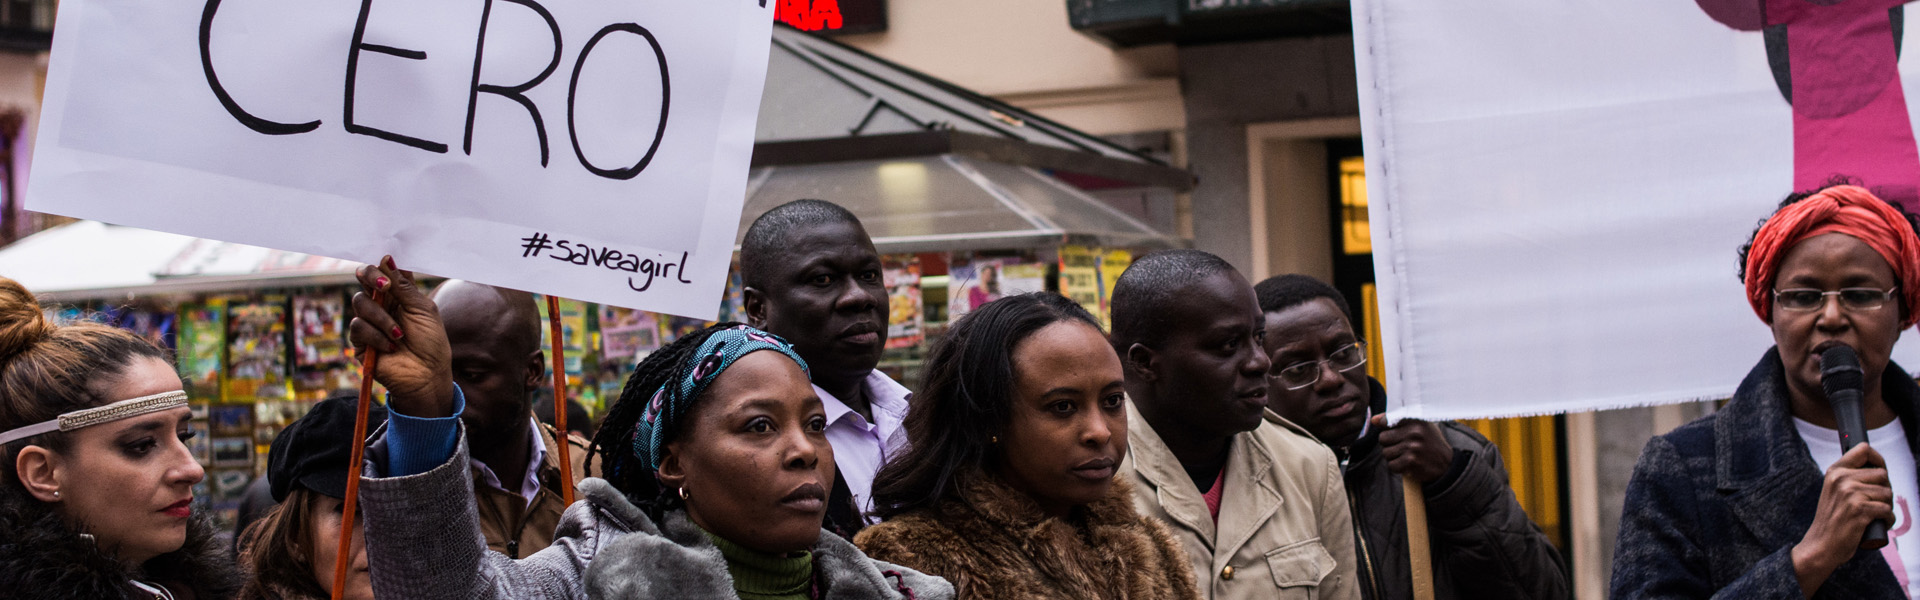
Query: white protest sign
column 592, row 149
column 1558, row 189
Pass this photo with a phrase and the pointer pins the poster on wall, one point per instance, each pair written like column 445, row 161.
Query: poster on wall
column 627, row 334
column 981, row 280
column 671, row 327
column 233, row 452
column 592, row 150
column 153, row 323
column 257, row 350
column 1080, row 277
column 573, row 332
column 202, row 346
column 319, row 329
column 1112, row 264
column 905, row 318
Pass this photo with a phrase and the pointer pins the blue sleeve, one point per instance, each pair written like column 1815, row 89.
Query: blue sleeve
column 416, row 445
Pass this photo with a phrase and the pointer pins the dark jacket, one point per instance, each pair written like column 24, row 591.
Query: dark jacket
column 994, row 543
column 1715, row 507
column 1484, row 546
column 43, row 558
column 424, row 542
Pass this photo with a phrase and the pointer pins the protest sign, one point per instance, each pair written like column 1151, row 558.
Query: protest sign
column 592, row 149
column 1558, row 189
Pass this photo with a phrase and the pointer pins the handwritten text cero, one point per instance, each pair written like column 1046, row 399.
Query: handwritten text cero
column 516, row 92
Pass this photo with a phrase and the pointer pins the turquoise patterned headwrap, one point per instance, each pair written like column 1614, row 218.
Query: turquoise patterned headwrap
column 670, row 402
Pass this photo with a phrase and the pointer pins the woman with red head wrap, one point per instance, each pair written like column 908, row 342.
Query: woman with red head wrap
column 1758, row 500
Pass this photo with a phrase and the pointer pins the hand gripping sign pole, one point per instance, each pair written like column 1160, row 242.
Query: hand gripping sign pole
column 344, row 554
column 560, row 400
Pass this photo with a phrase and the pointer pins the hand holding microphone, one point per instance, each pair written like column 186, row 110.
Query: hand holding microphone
column 1856, row 497
column 1842, row 379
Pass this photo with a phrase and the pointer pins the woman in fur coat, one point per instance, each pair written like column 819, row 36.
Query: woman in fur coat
column 1008, row 490
column 97, row 487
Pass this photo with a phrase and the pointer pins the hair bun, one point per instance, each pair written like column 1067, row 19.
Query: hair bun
column 22, row 323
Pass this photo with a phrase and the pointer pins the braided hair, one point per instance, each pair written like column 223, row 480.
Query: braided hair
column 613, row 444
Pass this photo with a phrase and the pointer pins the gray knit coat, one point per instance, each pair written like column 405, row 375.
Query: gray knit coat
column 424, row 543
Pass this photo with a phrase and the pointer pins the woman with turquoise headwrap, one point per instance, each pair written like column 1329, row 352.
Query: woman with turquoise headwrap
column 717, row 470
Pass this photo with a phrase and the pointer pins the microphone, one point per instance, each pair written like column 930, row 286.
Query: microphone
column 1842, row 379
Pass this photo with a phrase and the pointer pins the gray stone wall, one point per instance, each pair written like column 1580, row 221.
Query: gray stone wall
column 1228, row 86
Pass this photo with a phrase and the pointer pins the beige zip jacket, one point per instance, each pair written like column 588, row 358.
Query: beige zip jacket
column 1285, row 532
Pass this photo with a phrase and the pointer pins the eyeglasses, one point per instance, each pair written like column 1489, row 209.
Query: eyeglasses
column 1303, row 374
column 1860, row 298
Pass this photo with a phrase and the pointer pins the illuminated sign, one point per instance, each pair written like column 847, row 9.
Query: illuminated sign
column 834, row 16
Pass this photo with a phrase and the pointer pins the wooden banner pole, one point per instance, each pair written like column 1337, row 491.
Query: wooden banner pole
column 560, row 400
column 344, row 556
column 1419, row 549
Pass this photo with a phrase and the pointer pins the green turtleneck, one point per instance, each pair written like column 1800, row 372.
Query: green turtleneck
column 762, row 576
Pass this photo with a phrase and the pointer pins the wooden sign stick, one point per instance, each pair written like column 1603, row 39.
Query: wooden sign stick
column 345, row 554
column 1418, row 548
column 560, row 400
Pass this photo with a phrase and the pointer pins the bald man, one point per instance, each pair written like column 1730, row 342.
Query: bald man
column 497, row 360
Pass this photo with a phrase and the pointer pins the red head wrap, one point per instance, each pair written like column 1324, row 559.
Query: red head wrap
column 1840, row 209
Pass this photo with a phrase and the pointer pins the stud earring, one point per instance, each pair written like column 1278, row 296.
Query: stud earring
column 994, row 439
column 56, row 494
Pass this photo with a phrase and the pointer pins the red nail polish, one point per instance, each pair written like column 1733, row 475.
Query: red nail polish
column 397, row 333
column 387, row 262
column 380, row 283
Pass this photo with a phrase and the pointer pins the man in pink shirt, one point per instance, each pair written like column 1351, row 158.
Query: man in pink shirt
column 812, row 276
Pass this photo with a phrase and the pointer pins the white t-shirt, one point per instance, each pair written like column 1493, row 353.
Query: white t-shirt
column 1903, row 542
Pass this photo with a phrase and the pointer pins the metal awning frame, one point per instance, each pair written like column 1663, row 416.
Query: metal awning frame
column 972, row 145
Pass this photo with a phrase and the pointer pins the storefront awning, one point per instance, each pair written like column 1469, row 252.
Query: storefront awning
column 89, row 260
column 930, row 166
column 951, row 202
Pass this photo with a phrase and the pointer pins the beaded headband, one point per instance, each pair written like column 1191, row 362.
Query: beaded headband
column 124, row 409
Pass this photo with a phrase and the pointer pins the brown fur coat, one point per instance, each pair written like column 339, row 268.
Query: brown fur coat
column 994, row 543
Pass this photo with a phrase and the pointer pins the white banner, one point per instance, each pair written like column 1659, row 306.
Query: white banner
column 1558, row 189
column 592, row 149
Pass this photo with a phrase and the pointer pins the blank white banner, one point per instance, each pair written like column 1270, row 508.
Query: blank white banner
column 1558, row 191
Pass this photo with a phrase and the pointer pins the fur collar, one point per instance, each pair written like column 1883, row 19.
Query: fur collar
column 995, row 543
column 1013, row 510
column 44, row 557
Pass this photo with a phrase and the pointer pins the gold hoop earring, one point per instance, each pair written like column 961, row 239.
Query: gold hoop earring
column 994, row 439
column 683, row 494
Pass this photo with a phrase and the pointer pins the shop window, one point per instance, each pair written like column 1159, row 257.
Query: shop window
column 1355, row 235
column 1532, row 449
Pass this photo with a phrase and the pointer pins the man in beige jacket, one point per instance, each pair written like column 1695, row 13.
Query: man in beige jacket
column 1258, row 505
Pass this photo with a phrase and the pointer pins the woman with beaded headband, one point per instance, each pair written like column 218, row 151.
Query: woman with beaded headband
column 1759, row 500
column 97, row 495
column 717, row 469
